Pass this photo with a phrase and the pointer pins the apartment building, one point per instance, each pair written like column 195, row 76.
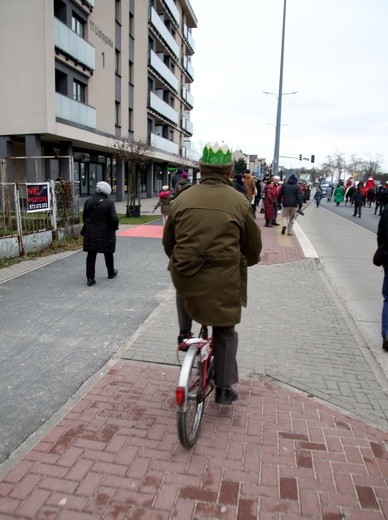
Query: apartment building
column 80, row 76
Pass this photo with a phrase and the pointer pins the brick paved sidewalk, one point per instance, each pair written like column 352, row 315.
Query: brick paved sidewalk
column 275, row 454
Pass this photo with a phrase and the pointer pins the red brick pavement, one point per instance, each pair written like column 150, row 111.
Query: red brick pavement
column 275, row 454
column 277, row 248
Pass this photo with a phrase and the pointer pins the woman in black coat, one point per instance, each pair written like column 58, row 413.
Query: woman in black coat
column 99, row 231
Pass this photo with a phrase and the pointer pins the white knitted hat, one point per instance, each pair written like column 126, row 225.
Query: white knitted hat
column 104, row 187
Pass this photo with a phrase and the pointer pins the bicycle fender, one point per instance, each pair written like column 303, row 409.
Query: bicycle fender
column 185, row 372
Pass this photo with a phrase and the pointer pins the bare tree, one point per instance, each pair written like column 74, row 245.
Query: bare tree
column 136, row 154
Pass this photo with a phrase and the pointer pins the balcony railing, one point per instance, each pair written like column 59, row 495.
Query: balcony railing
column 187, row 96
column 74, row 111
column 73, row 45
column 173, row 10
column 188, row 37
column 163, row 108
column 188, row 67
column 164, row 144
column 187, row 125
column 190, row 154
column 158, row 24
column 157, row 64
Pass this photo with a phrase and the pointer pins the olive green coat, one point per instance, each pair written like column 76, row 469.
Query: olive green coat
column 211, row 238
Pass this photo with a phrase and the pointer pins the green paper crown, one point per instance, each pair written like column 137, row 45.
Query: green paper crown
column 215, row 154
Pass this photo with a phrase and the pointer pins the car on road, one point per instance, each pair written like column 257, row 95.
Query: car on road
column 324, row 187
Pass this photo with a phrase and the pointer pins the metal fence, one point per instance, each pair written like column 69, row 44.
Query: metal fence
column 33, row 204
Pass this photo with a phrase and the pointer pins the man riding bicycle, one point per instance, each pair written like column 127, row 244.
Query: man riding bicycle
column 211, row 237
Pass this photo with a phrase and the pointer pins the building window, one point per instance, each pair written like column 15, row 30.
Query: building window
column 130, row 120
column 117, row 114
column 78, row 25
column 117, row 62
column 79, row 91
column 131, row 24
column 60, row 82
column 130, row 72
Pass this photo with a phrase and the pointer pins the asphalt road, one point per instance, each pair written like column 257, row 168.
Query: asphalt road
column 368, row 220
column 56, row 332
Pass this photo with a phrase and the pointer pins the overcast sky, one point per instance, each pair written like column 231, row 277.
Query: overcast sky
column 336, row 57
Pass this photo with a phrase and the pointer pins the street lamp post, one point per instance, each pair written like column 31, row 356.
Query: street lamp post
column 275, row 164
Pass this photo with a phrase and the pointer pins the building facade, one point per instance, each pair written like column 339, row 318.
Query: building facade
column 82, row 76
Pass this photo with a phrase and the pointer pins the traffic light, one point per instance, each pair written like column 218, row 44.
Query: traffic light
column 300, row 156
column 313, row 158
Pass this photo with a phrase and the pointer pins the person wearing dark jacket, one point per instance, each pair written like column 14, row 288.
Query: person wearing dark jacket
column 238, row 184
column 291, row 197
column 99, row 231
column 358, row 200
column 211, row 238
column 382, row 241
column 182, row 184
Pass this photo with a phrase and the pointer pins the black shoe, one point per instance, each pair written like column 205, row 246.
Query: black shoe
column 91, row 281
column 275, row 224
column 226, row 395
column 114, row 274
column 283, row 230
column 385, row 343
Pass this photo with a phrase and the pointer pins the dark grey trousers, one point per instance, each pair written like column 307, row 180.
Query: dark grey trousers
column 225, row 340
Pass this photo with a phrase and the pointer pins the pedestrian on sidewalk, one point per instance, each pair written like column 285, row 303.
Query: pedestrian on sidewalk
column 164, row 202
column 250, row 185
column 238, row 184
column 99, row 231
column 276, row 189
column 270, row 204
column 291, row 197
column 182, row 184
column 176, row 177
column 210, row 238
column 329, row 193
column 318, row 196
column 382, row 241
column 358, row 200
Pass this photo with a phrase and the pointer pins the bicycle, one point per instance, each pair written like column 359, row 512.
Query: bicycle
column 196, row 382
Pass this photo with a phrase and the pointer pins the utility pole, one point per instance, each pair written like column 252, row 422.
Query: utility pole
column 275, row 164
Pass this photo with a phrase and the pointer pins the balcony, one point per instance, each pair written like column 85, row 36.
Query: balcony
column 187, row 125
column 73, row 45
column 188, row 97
column 164, row 144
column 75, row 112
column 163, row 108
column 173, row 10
column 190, row 154
column 164, row 33
column 188, row 38
column 163, row 71
column 188, row 67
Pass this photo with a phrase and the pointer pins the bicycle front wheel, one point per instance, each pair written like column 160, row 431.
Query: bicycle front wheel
column 189, row 415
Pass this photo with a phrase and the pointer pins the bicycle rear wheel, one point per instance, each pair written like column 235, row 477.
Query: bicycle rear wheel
column 192, row 405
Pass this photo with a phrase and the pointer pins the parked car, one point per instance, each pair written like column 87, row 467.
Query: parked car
column 324, row 187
